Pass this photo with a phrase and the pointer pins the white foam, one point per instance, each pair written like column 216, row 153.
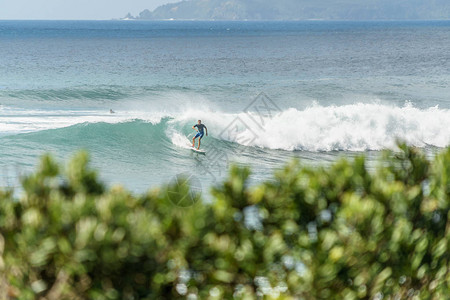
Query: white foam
column 17, row 121
column 355, row 127
column 180, row 140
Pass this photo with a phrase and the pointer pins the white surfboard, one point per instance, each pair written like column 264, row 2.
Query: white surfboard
column 198, row 151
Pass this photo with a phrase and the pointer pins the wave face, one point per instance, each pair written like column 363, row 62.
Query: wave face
column 358, row 127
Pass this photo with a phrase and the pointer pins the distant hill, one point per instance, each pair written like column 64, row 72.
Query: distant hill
column 301, row 10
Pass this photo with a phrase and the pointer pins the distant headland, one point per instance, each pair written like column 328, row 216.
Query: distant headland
column 298, row 10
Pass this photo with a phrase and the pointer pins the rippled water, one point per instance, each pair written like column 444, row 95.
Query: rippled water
column 330, row 89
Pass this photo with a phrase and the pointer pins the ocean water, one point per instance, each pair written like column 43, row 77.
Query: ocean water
column 268, row 92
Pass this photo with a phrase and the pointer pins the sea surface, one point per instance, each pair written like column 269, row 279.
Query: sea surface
column 268, row 92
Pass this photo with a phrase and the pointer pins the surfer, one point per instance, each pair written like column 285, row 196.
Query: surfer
column 111, row 111
column 200, row 128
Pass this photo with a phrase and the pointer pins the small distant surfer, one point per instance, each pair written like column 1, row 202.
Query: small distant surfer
column 111, row 111
column 200, row 131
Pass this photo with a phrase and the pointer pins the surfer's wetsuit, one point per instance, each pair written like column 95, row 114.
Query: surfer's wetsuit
column 200, row 132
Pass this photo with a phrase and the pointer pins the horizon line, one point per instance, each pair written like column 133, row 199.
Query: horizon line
column 229, row 20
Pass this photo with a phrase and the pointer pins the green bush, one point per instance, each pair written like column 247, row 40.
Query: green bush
column 339, row 232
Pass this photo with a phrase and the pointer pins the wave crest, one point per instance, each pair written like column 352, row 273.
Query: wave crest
column 356, row 127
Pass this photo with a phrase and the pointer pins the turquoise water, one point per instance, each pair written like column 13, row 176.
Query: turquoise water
column 330, row 89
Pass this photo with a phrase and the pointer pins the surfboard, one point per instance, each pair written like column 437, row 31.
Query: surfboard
column 198, row 151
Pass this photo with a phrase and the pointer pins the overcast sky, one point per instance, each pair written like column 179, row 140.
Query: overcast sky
column 74, row 9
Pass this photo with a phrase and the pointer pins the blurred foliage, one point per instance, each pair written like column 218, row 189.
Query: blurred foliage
column 338, row 232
